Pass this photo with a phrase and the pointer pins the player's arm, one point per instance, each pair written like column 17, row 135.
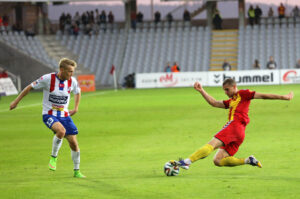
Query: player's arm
column 210, row 100
column 273, row 96
column 24, row 92
column 77, row 100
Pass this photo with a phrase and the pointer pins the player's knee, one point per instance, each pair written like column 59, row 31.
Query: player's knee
column 217, row 162
column 60, row 133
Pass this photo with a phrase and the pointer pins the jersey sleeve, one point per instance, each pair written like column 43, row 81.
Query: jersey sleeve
column 75, row 87
column 247, row 94
column 226, row 103
column 41, row 82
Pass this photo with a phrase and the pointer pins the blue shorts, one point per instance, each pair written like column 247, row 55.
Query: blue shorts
column 67, row 122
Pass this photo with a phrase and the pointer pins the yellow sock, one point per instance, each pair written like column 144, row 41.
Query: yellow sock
column 232, row 161
column 201, row 153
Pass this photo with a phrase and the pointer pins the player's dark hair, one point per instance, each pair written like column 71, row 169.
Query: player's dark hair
column 230, row 82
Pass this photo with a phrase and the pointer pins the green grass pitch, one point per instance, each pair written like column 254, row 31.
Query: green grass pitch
column 125, row 138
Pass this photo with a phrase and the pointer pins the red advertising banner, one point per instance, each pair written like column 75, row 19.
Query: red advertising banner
column 86, row 83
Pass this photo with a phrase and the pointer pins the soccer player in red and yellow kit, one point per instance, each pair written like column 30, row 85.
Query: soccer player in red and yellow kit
column 231, row 136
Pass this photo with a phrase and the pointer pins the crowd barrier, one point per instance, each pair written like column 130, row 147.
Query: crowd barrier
column 216, row 78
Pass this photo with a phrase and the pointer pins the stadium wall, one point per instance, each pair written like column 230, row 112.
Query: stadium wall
column 21, row 64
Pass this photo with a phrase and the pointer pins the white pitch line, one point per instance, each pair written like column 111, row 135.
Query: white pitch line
column 39, row 104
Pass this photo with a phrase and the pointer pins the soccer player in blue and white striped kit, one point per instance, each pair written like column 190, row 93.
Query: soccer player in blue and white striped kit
column 56, row 88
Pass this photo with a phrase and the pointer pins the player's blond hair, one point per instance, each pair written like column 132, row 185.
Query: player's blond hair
column 230, row 82
column 64, row 62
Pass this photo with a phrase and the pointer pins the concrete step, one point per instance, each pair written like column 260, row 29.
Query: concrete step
column 57, row 51
column 220, row 64
column 221, row 59
column 220, row 68
column 224, row 45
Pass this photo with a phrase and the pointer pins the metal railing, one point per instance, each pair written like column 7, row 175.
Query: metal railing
column 16, row 79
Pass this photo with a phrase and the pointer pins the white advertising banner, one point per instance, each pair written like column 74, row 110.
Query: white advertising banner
column 163, row 80
column 216, row 78
column 291, row 76
column 7, row 87
column 245, row 77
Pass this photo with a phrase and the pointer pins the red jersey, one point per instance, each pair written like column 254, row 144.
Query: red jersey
column 239, row 105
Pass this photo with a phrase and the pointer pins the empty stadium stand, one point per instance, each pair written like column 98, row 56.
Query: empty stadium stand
column 148, row 48
column 32, row 46
column 272, row 38
column 144, row 50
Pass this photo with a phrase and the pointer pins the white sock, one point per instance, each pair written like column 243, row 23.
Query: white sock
column 247, row 161
column 56, row 144
column 76, row 159
column 187, row 161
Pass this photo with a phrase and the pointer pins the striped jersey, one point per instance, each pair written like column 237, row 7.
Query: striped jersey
column 56, row 93
column 239, row 105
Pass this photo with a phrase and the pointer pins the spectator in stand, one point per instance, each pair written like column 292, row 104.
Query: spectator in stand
column 1, row 21
column 298, row 64
column 62, row 21
column 84, row 19
column 91, row 17
column 271, row 63
column 251, row 15
column 270, row 12
column 29, row 32
column 258, row 14
column 133, row 19
column 68, row 19
column 175, row 68
column 5, row 20
column 281, row 11
column 186, row 15
column 111, row 17
column 75, row 29
column 256, row 65
column 140, row 17
column 226, row 66
column 3, row 73
column 77, row 18
column 170, row 18
column 103, row 17
column 217, row 20
column 88, row 29
column 168, row 68
column 295, row 12
column 97, row 17
column 17, row 27
column 157, row 17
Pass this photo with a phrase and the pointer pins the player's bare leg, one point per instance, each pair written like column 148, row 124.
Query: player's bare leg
column 75, row 153
column 222, row 158
column 60, row 132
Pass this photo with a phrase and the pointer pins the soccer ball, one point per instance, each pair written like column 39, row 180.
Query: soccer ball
column 171, row 170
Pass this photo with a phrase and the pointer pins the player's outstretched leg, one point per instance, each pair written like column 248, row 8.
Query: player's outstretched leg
column 199, row 154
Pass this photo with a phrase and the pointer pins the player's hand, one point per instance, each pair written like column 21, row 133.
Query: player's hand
column 72, row 112
column 13, row 105
column 198, row 86
column 290, row 96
